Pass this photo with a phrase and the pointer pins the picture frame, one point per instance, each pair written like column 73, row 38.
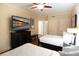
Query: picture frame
column 18, row 22
column 74, row 21
column 32, row 23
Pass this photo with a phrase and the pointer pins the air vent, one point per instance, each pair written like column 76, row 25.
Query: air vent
column 53, row 16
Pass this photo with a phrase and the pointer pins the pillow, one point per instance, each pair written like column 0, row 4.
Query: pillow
column 68, row 38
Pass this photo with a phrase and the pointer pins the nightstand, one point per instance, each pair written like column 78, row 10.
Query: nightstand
column 35, row 39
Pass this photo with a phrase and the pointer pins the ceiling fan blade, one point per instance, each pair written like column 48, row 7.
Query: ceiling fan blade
column 48, row 6
column 33, row 7
column 35, row 3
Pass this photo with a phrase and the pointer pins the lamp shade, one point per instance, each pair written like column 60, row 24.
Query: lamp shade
column 73, row 30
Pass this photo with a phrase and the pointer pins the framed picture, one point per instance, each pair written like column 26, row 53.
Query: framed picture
column 19, row 22
column 74, row 21
column 32, row 22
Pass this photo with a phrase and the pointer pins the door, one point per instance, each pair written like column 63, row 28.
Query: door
column 53, row 26
column 42, row 27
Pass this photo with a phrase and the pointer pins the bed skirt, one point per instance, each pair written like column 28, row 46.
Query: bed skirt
column 52, row 47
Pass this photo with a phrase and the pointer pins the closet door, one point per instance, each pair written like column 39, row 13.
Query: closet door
column 59, row 24
column 53, row 26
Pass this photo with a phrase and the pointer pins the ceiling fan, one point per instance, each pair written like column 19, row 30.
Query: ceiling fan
column 40, row 6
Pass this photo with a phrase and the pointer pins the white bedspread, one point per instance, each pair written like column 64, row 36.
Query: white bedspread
column 30, row 50
column 52, row 39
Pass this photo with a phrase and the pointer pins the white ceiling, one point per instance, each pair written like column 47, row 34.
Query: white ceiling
column 57, row 8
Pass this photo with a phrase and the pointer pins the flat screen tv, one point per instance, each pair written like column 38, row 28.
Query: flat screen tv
column 20, row 23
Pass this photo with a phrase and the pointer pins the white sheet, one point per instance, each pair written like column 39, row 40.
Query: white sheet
column 30, row 50
column 52, row 39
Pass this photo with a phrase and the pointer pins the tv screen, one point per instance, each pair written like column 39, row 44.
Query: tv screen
column 20, row 23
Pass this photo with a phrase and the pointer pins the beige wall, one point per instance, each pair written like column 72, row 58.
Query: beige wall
column 58, row 24
column 6, row 11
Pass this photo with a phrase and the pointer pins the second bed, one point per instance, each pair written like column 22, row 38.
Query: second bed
column 53, row 42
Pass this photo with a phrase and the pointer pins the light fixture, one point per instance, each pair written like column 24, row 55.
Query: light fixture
column 40, row 7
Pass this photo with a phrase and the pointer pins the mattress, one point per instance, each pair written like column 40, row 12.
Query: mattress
column 52, row 39
column 29, row 49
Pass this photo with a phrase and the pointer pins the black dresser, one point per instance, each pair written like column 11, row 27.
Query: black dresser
column 19, row 38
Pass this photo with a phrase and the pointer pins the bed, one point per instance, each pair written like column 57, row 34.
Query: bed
column 29, row 49
column 53, row 42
